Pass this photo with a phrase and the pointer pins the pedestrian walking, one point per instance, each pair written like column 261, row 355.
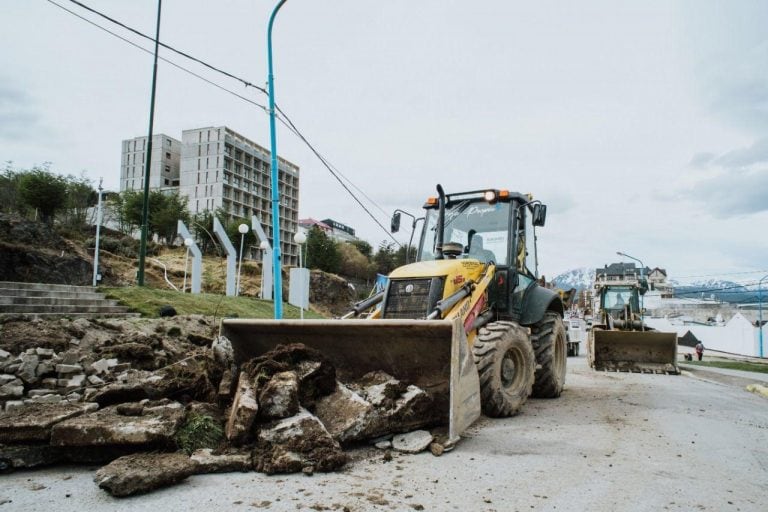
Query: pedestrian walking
column 699, row 350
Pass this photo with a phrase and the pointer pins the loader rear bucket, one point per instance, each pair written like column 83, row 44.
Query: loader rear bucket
column 431, row 354
column 634, row 351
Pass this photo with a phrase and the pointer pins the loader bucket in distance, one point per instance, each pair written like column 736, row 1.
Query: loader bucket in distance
column 431, row 354
column 634, row 351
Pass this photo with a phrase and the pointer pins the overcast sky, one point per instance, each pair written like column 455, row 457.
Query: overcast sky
column 642, row 125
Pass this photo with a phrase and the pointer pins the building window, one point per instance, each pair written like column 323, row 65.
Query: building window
column 168, row 142
column 175, row 183
column 167, row 168
column 166, row 181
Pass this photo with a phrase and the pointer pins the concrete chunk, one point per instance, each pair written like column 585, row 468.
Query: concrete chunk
column 243, row 413
column 6, row 378
column 155, row 428
column 345, row 414
column 100, row 366
column 11, row 391
column 64, row 369
column 45, row 353
column 28, row 369
column 412, row 442
column 279, row 398
column 144, row 472
column 34, row 422
column 207, row 462
column 297, row 443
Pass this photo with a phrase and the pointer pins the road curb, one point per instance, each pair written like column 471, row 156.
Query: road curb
column 758, row 389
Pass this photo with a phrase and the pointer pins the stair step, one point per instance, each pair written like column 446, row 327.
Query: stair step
column 45, row 286
column 62, row 308
column 31, row 316
column 55, row 301
column 29, row 292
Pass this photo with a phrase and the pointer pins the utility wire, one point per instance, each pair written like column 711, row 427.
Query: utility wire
column 286, row 121
column 723, row 274
column 167, row 47
column 244, row 98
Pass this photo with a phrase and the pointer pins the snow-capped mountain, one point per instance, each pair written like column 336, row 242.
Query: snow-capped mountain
column 579, row 278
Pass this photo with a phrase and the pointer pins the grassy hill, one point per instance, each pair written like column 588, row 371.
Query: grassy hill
column 148, row 302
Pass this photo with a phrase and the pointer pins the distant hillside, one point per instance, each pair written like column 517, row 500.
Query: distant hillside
column 579, row 278
column 726, row 291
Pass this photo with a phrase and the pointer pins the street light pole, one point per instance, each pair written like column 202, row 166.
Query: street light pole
column 276, row 256
column 300, row 238
column 243, row 229
column 148, row 156
column 98, row 236
column 760, row 313
column 642, row 268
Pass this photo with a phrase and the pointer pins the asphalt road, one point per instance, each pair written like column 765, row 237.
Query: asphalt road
column 611, row 442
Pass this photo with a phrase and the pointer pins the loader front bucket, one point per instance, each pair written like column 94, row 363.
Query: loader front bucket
column 634, row 351
column 431, row 354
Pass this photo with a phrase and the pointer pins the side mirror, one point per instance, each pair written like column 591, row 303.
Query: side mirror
column 539, row 214
column 394, row 227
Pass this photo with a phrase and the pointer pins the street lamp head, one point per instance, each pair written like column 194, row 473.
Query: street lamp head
column 299, row 238
column 188, row 242
column 264, row 245
column 620, row 253
column 243, row 228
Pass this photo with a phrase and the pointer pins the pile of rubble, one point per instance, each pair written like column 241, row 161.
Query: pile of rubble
column 156, row 425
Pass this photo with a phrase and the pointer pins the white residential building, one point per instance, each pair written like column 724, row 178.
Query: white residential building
column 164, row 164
column 222, row 169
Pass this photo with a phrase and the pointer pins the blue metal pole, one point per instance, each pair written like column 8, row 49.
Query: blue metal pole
column 276, row 253
column 760, row 311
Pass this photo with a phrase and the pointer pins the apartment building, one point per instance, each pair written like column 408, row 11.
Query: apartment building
column 164, row 163
column 221, row 168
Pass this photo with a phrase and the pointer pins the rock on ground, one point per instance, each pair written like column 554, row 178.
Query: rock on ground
column 412, row 442
column 243, row 412
column 279, row 397
column 209, row 462
column 143, row 472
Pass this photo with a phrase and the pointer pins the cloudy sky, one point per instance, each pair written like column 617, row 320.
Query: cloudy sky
column 642, row 125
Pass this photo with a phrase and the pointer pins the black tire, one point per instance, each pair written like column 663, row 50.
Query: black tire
column 506, row 365
column 548, row 338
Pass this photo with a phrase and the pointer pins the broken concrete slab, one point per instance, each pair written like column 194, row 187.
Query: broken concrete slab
column 116, row 393
column 34, row 422
column 412, row 442
column 28, row 369
column 243, row 413
column 11, row 391
column 144, row 472
column 25, row 456
column 156, row 427
column 209, row 462
column 64, row 369
column 295, row 443
column 101, row 366
column 279, row 397
column 345, row 414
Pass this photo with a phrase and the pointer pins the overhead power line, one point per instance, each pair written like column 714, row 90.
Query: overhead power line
column 145, row 50
column 285, row 120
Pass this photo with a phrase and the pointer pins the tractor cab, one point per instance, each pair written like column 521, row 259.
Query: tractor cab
column 493, row 227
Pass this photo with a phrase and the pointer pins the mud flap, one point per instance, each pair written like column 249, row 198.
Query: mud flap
column 431, row 354
column 634, row 351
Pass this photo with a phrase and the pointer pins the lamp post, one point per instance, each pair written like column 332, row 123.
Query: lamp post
column 98, row 236
column 642, row 268
column 188, row 243
column 242, row 229
column 300, row 238
column 148, row 157
column 760, row 311
column 276, row 267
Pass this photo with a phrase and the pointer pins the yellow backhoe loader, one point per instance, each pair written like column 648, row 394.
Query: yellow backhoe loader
column 467, row 322
column 622, row 342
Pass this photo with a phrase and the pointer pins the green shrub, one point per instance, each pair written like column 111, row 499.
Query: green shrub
column 199, row 432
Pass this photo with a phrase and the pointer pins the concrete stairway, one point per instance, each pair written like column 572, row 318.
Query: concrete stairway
column 56, row 300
